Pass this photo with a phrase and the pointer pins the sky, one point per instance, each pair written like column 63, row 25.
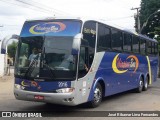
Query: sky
column 13, row 13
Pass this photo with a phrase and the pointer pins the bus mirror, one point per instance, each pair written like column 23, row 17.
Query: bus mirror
column 76, row 44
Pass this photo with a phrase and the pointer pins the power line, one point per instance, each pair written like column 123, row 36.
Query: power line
column 11, row 3
column 120, row 18
column 53, row 9
column 39, row 7
column 3, row 25
column 32, row 5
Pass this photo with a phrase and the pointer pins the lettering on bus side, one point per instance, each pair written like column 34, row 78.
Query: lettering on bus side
column 120, row 66
column 89, row 31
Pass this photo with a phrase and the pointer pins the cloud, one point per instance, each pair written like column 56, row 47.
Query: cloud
column 101, row 9
column 7, row 9
column 115, row 11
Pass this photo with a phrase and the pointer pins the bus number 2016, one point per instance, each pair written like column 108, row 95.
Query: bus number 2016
column 62, row 84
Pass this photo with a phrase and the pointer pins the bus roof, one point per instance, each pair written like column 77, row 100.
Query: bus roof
column 97, row 20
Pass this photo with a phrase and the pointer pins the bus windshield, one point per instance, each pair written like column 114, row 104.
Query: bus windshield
column 46, row 57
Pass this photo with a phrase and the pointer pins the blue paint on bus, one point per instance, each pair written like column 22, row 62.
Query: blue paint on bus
column 116, row 83
column 42, row 86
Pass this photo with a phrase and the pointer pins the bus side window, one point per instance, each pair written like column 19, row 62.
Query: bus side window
column 83, row 62
column 127, row 42
column 135, row 44
column 142, row 46
column 89, row 34
column 156, row 49
column 149, row 48
column 117, row 40
column 104, row 38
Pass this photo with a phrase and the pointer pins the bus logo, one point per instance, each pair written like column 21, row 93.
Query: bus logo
column 25, row 84
column 120, row 66
column 43, row 28
column 29, row 83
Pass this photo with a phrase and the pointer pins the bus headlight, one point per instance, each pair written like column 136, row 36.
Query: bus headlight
column 65, row 90
column 17, row 86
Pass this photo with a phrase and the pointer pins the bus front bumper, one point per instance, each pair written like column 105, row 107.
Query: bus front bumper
column 55, row 98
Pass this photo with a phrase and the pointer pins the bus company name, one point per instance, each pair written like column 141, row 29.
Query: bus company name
column 121, row 64
column 47, row 27
column 130, row 62
column 30, row 84
column 126, row 64
column 89, row 31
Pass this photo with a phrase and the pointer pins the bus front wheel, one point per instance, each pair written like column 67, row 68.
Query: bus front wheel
column 97, row 96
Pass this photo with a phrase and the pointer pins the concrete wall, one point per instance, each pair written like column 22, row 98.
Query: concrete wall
column 3, row 57
column 2, row 61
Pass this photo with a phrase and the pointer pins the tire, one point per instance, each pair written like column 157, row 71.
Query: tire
column 48, row 104
column 97, row 96
column 140, row 86
column 145, row 86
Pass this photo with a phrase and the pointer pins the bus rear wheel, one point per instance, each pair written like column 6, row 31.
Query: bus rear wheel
column 145, row 87
column 97, row 96
column 140, row 87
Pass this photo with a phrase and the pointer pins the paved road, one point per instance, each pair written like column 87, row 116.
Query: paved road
column 128, row 101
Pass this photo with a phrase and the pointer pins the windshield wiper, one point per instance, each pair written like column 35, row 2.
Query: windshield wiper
column 31, row 68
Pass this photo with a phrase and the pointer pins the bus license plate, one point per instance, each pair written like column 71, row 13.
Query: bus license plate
column 39, row 97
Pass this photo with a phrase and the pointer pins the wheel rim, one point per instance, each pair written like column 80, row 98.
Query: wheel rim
column 97, row 95
column 141, row 85
column 146, row 85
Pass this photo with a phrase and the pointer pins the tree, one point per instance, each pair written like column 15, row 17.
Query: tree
column 150, row 17
column 148, row 7
column 152, row 24
column 157, row 35
column 148, row 13
column 12, row 50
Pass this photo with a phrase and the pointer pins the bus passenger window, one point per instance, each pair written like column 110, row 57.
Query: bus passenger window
column 135, row 44
column 104, row 38
column 117, row 40
column 142, row 46
column 149, row 48
column 83, row 62
column 82, row 59
column 127, row 42
column 89, row 34
column 156, row 49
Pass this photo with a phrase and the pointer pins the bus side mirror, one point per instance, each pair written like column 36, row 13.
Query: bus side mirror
column 76, row 44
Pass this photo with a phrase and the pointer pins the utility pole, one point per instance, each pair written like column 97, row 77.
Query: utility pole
column 138, row 20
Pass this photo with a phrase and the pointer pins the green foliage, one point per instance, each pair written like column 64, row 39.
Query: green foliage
column 157, row 32
column 148, row 11
column 147, row 8
column 12, row 49
column 149, row 14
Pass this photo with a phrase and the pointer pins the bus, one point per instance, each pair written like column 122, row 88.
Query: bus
column 71, row 61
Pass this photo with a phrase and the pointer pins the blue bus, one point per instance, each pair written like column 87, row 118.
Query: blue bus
column 74, row 61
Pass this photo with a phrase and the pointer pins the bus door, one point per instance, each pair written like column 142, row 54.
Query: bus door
column 83, row 66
